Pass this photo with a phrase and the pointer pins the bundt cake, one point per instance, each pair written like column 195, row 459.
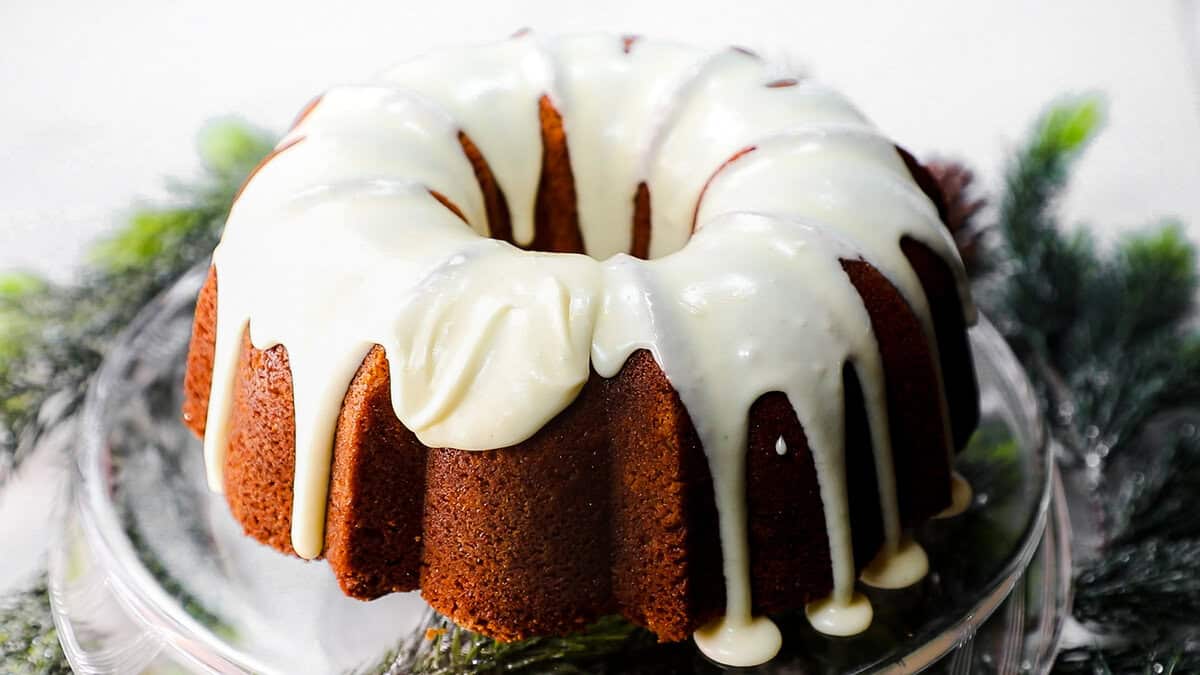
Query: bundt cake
column 558, row 328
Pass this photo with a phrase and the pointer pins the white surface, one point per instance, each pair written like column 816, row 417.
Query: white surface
column 101, row 101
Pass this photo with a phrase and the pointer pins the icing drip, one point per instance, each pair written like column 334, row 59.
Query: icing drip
column 820, row 172
column 739, row 644
column 692, row 311
column 898, row 567
column 366, row 252
column 961, row 496
column 840, row 618
column 781, row 447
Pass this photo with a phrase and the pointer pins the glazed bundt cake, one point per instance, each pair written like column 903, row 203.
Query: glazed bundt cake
column 557, row 328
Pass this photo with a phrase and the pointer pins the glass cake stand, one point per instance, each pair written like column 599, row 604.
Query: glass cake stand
column 150, row 573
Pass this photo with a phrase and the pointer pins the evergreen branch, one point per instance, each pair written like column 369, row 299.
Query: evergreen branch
column 1159, row 279
column 1105, row 334
column 450, row 649
column 1040, row 171
column 52, row 337
column 28, row 638
column 1163, row 659
column 1156, row 498
column 1130, row 351
column 1107, row 340
column 1039, row 310
column 1141, row 590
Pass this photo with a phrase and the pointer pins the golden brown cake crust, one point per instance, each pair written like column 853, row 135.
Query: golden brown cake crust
column 666, row 555
column 261, row 461
column 373, row 529
column 516, row 539
column 609, row 507
column 197, row 378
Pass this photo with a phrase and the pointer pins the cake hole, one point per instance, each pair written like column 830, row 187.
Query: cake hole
column 781, row 83
column 556, row 227
column 627, row 42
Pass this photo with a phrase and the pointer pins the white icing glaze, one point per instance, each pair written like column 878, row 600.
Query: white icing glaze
column 607, row 151
column 493, row 93
column 841, row 618
column 961, row 496
column 781, row 447
column 739, row 645
column 898, row 567
column 363, row 254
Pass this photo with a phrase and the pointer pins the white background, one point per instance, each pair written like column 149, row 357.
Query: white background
column 100, row 101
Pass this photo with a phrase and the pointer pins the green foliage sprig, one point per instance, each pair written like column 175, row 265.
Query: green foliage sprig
column 28, row 639
column 1106, row 335
column 52, row 336
column 1108, row 340
column 450, row 650
column 1130, row 659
